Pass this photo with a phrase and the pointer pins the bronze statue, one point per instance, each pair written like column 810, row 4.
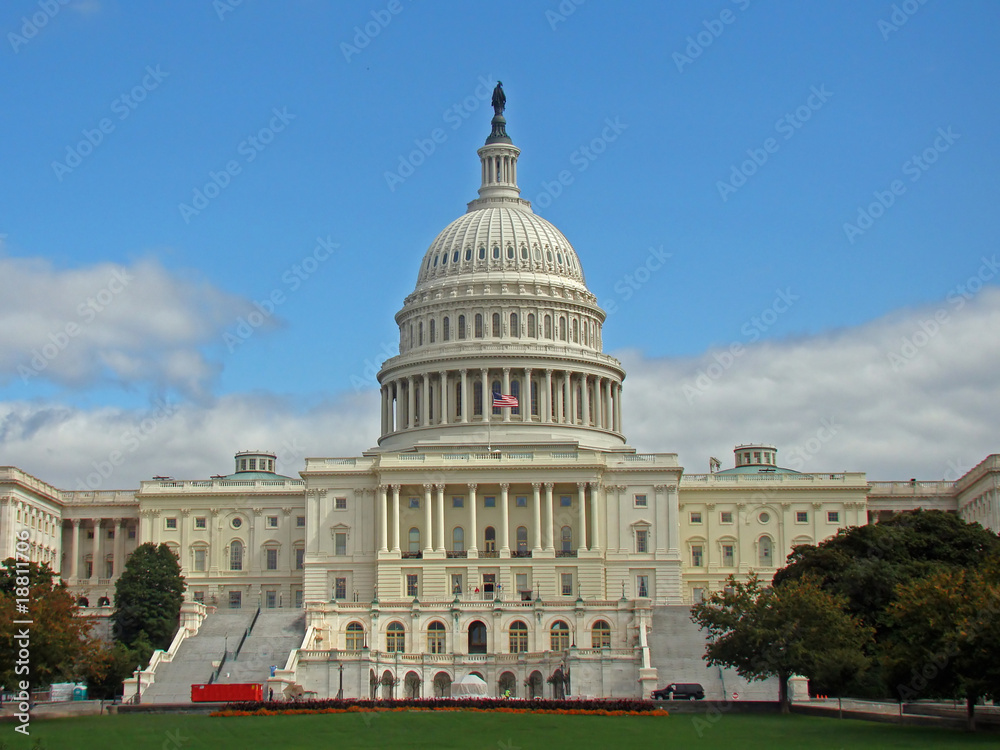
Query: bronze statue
column 499, row 99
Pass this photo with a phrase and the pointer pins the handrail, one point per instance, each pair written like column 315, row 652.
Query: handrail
column 246, row 633
column 218, row 670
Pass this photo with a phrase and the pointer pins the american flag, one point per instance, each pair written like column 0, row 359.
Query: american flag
column 500, row 399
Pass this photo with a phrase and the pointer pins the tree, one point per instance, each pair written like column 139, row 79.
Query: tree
column 781, row 631
column 58, row 639
column 148, row 597
column 946, row 630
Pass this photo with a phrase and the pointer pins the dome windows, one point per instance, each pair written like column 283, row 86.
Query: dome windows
column 461, row 327
column 468, row 253
column 515, row 328
column 548, row 255
column 559, row 259
column 496, row 252
column 435, row 260
column 536, row 253
column 479, row 325
column 454, row 257
column 510, row 252
column 496, row 325
column 482, row 252
column 524, row 252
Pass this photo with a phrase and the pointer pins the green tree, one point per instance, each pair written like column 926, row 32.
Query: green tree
column 148, row 597
column 58, row 638
column 946, row 631
column 782, row 631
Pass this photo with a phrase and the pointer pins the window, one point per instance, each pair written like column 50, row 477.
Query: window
column 491, row 539
column 640, row 501
column 414, row 537
column 801, row 516
column 562, row 328
column 435, row 637
column 518, row 637
column 521, row 501
column 415, row 502
column 111, row 532
column 697, row 553
column 420, row 333
column 695, row 516
column 559, row 636
column 566, row 584
column 756, row 457
column 565, row 501
column 339, row 588
column 765, row 552
column 131, row 532
column 171, row 523
column 515, row 391
column 728, row 555
column 458, row 502
column 253, row 464
column 300, row 522
column 271, row 559
column 566, row 538
column 446, row 329
column 764, row 517
column 600, row 635
column 411, row 584
column 515, row 327
column 355, row 637
column 458, row 539
column 298, row 598
column 641, row 540
column 340, row 503
column 433, row 330
column 300, row 558
column 548, row 326
column 496, row 389
column 236, row 523
column 272, row 522
column 833, row 516
column 90, row 569
column 461, row 326
column 522, row 539
column 642, row 585
column 531, row 326
column 235, row 599
column 698, row 594
column 109, row 568
column 477, row 398
column 395, row 637
column 270, row 599
column 236, row 556
column 340, row 543
column 456, row 583
column 200, row 523
column 479, row 325
column 199, row 596
column 199, row 560
column 489, row 502
column 726, row 516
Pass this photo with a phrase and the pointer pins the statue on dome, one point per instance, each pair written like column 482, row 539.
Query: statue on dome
column 499, row 99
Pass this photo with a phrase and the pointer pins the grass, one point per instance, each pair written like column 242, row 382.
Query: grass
column 471, row 731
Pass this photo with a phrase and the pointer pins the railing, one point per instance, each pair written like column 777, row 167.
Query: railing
column 565, row 553
column 218, row 670
column 520, row 553
column 411, row 555
column 489, row 554
column 246, row 633
column 453, row 553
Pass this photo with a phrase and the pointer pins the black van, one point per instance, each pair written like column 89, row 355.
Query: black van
column 681, row 691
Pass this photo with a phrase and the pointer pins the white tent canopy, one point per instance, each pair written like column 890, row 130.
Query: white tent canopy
column 469, row 686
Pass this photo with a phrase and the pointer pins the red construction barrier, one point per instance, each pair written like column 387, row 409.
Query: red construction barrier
column 227, row 693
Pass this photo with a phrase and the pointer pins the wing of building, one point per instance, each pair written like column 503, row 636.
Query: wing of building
column 528, row 545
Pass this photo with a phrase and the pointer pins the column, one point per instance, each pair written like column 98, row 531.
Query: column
column 397, row 401
column 120, row 531
column 526, row 396
column 96, row 553
column 382, row 510
column 425, row 397
column 465, row 397
column 598, row 393
column 440, row 517
column 585, row 397
column 549, row 531
column 410, row 403
column 74, row 556
column 595, row 518
column 609, row 423
column 504, row 520
column 546, row 398
column 673, row 519
column 506, row 390
column 473, row 527
column 382, row 396
column 395, row 518
column 618, row 406
column 428, row 520
column 581, row 496
column 537, row 508
column 570, row 400
column 444, row 402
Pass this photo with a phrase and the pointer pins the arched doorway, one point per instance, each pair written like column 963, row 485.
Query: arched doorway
column 442, row 685
column 477, row 637
column 372, row 684
column 412, row 685
column 388, row 686
column 536, row 685
column 558, row 681
column 508, row 681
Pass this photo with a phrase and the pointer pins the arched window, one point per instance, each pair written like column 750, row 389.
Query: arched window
column 496, row 325
column 411, row 335
column 482, row 252
column 579, row 401
column 524, row 252
column 600, row 635
column 461, row 327
column 548, row 326
column 477, row 398
column 518, row 637
column 236, row 555
column 559, row 636
column 355, row 636
column 479, row 325
column 515, row 327
column 496, row 389
column 432, row 331
column 420, row 333
column 491, row 539
column 446, row 329
column 468, row 253
column 532, row 333
column 510, row 252
column 562, row 328
column 534, row 398
column 458, row 399
column 435, row 637
column 566, row 538
column 515, row 391
column 395, row 637
column 522, row 539
column 576, row 331
column 496, row 252
column 458, row 539
column 766, row 552
column 414, row 538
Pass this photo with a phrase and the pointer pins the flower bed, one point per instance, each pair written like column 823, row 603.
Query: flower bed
column 610, row 707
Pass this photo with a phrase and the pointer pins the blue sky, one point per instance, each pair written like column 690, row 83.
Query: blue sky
column 745, row 136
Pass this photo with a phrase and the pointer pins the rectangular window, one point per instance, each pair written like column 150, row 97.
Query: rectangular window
column 696, row 555
column 340, row 588
column 641, row 540
column 340, row 539
column 199, row 596
column 414, row 502
column 199, row 560
column 695, row 516
column 565, row 501
column 298, row 598
column 171, row 523
column 300, row 522
column 271, row 559
column 340, row 503
column 642, row 585
column 111, row 532
column 272, row 522
column 199, row 523
column 411, row 584
column 300, row 558
column 728, row 555
column 109, row 569
column 726, row 516
column 521, row 501
column 253, row 464
column 640, row 501
column 698, row 595
column 489, row 502
column 833, row 516
column 456, row 583
column 801, row 516
column 90, row 534
column 131, row 532
column 90, row 569
column 235, row 599
column 458, row 502
column 521, row 582
column 270, row 599
column 566, row 581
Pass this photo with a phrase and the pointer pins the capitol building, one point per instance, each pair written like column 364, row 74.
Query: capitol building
column 502, row 527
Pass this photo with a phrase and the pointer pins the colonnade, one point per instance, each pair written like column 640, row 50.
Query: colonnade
column 75, row 550
column 43, row 541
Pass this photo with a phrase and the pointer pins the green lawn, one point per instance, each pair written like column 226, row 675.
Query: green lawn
column 477, row 730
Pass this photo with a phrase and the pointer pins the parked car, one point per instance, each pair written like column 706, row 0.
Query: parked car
column 679, row 691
